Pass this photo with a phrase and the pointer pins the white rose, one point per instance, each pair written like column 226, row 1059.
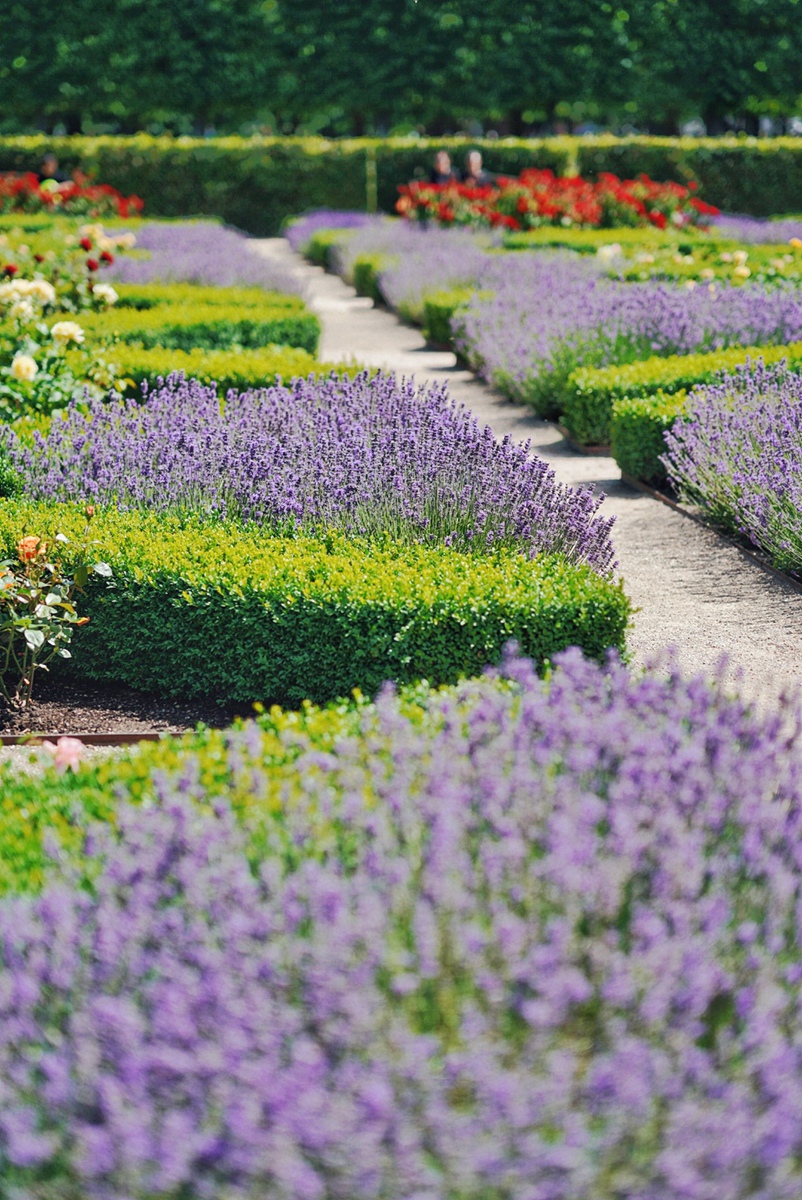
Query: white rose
column 126, row 241
column 67, row 331
column 23, row 311
column 44, row 292
column 105, row 292
column 610, row 252
column 24, row 368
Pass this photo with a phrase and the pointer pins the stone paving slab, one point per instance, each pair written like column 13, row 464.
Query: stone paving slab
column 693, row 589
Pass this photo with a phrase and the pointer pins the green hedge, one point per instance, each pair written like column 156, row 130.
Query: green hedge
column 588, row 241
column 151, row 295
column 365, row 273
column 211, row 326
column 591, row 392
column 320, row 246
column 237, row 369
column 761, row 176
column 440, row 308
column 256, row 183
column 220, row 612
column 637, row 430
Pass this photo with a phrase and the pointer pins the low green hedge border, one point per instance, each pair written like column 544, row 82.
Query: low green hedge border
column 440, row 309
column 218, row 611
column 206, row 325
column 144, row 296
column 322, row 244
column 591, row 392
column 637, row 431
column 227, row 369
column 366, row 272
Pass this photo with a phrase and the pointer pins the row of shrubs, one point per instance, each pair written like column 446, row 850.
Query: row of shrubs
column 219, row 611
column 257, row 183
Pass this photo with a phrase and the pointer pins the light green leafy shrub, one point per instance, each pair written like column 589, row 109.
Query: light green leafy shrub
column 589, row 396
column 215, row 611
column 637, row 428
column 206, row 325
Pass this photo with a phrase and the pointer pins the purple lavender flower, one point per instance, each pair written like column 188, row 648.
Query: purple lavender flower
column 299, row 231
column 371, row 455
column 541, row 945
column 199, row 252
column 738, row 454
column 757, row 230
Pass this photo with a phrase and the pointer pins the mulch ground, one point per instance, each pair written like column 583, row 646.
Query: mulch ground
column 62, row 706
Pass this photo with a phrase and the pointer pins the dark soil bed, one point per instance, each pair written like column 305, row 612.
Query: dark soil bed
column 64, row 706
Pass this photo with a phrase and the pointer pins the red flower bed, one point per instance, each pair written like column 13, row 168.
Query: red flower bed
column 24, row 193
column 542, row 198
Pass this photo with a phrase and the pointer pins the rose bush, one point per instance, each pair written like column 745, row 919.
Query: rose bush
column 539, row 197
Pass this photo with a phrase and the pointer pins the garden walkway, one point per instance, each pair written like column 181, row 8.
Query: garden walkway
column 693, row 589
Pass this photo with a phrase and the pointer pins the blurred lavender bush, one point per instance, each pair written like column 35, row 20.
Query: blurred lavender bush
column 199, row 252
column 738, row 454
column 299, row 231
column 370, row 455
column 757, row 230
column 544, row 945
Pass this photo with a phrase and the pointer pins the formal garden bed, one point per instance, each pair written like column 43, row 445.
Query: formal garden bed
column 467, row 908
column 619, row 335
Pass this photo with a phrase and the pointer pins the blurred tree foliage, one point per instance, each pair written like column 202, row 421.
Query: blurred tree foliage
column 354, row 66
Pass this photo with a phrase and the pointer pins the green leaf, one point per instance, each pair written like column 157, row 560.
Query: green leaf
column 81, row 575
column 34, row 637
column 102, row 568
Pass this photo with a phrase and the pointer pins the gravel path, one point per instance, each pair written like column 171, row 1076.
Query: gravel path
column 693, row 590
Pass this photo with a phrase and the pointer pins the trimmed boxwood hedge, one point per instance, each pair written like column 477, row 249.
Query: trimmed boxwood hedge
column 210, row 326
column 591, row 392
column 237, row 369
column 150, row 295
column 638, row 426
column 239, row 615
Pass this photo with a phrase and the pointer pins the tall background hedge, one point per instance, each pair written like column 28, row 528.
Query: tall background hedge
column 255, row 183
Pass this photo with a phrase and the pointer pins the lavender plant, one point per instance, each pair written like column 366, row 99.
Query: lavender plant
column 738, row 455
column 757, row 230
column 299, row 231
column 370, row 455
column 199, row 252
column 543, row 945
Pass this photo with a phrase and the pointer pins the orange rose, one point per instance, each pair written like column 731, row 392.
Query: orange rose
column 29, row 548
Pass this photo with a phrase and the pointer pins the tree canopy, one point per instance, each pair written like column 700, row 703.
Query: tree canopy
column 354, row 66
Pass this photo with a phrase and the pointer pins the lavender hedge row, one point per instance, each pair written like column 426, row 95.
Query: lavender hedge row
column 737, row 453
column 370, row 456
column 200, row 252
column 543, row 947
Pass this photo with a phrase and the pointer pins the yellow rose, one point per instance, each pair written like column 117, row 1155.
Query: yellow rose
column 24, row 368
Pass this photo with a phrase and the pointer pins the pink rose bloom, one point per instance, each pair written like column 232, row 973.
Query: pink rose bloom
column 67, row 753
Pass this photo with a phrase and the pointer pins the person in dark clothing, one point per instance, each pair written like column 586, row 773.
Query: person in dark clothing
column 50, row 170
column 442, row 170
column 475, row 175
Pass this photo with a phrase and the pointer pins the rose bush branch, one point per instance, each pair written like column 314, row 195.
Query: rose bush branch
column 37, row 609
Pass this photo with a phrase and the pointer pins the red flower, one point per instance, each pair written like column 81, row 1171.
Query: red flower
column 92, row 264
column 40, row 258
column 85, row 244
column 10, row 269
column 106, row 257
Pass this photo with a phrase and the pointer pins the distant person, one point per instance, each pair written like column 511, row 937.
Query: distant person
column 442, row 170
column 50, row 170
column 475, row 175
